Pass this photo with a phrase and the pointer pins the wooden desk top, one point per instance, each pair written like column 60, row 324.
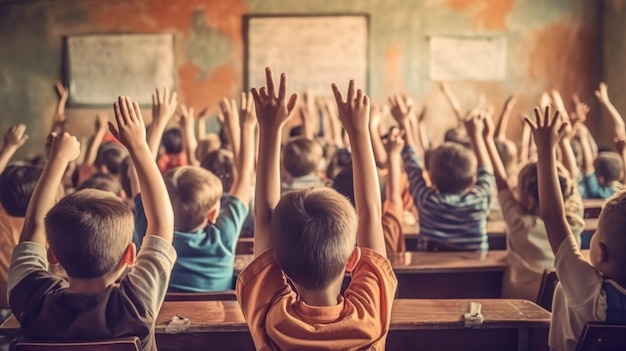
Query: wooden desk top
column 428, row 262
column 494, row 228
column 407, row 314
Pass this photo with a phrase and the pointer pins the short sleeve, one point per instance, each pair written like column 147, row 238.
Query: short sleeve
column 151, row 274
column 231, row 220
column 577, row 276
column 141, row 222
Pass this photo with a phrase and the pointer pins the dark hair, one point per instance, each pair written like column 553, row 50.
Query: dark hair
column 344, row 184
column 528, row 182
column 341, row 159
column 88, row 232
column 173, row 141
column 104, row 182
column 111, row 156
column 301, row 156
column 220, row 162
column 609, row 165
column 458, row 136
column 452, row 168
column 428, row 154
column 16, row 187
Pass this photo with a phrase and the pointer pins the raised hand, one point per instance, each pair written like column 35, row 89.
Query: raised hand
column 545, row 100
column 163, row 105
column 401, row 108
column 547, row 129
column 102, row 123
column 247, row 113
column 395, row 141
column 15, row 136
column 273, row 110
column 603, row 93
column 354, row 112
column 130, row 129
column 229, row 110
column 64, row 146
column 488, row 127
column 185, row 119
column 474, row 123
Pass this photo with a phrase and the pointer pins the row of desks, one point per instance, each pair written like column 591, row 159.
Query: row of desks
column 415, row 325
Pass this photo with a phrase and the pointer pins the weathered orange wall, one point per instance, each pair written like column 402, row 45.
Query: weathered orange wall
column 551, row 44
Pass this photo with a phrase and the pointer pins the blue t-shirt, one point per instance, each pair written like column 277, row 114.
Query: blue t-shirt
column 458, row 221
column 206, row 257
column 593, row 189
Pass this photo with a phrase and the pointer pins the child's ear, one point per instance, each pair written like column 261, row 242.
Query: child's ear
column 130, row 255
column 354, row 259
column 52, row 258
column 604, row 253
column 211, row 217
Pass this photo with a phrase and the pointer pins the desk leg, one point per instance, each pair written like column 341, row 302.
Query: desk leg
column 522, row 339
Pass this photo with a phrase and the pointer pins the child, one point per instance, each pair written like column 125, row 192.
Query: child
column 529, row 253
column 173, row 156
column 602, row 176
column 206, row 229
column 588, row 291
column 301, row 157
column 453, row 212
column 309, row 236
column 16, row 186
column 89, row 233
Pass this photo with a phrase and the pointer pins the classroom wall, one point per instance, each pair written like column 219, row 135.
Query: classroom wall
column 551, row 44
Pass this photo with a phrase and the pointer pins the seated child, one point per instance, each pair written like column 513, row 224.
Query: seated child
column 301, row 158
column 104, row 182
column 453, row 212
column 220, row 162
column 89, row 234
column 588, row 291
column 207, row 225
column 606, row 178
column 309, row 238
column 174, row 155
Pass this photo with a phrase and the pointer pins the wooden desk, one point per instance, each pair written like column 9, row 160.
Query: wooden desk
column 458, row 274
column 415, row 325
column 593, row 207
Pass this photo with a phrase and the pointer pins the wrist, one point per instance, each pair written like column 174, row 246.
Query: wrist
column 9, row 148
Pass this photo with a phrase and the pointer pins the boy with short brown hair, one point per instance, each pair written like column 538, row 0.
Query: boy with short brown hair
column 90, row 235
column 588, row 291
column 308, row 237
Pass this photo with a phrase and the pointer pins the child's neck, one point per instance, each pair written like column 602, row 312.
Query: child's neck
column 89, row 286
column 320, row 298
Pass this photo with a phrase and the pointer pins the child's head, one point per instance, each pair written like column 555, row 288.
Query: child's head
column 609, row 167
column 452, row 168
column 458, row 136
column 16, row 187
column 206, row 146
column 172, row 141
column 195, row 194
column 608, row 244
column 507, row 152
column 110, row 158
column 221, row 164
column 104, row 182
column 343, row 184
column 90, row 233
column 301, row 156
column 341, row 160
column 314, row 234
column 528, row 189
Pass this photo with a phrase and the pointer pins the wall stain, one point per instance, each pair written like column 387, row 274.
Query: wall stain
column 488, row 14
column 393, row 81
column 198, row 92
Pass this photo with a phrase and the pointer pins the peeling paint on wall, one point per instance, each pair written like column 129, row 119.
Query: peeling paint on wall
column 488, row 14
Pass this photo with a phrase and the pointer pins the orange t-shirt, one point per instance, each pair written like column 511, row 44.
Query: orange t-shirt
column 392, row 228
column 10, row 231
column 278, row 320
column 171, row 161
column 407, row 198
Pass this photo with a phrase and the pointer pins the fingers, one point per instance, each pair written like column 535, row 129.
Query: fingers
column 270, row 82
column 337, row 94
column 359, row 97
column 113, row 130
column 282, row 88
column 291, row 104
column 264, row 94
column 256, row 96
column 137, row 111
column 530, row 122
column 131, row 110
column 351, row 91
column 158, row 97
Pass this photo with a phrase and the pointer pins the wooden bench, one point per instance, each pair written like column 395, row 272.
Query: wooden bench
column 593, row 207
column 415, row 325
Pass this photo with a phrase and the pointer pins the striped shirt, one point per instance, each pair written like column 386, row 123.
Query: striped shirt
column 457, row 221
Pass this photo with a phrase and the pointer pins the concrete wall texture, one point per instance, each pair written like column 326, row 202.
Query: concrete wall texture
column 564, row 44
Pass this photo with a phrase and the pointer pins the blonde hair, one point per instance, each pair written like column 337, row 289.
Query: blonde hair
column 314, row 234
column 301, row 156
column 612, row 223
column 528, row 185
column 194, row 191
column 89, row 232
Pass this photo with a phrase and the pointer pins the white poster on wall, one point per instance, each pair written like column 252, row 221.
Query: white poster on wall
column 474, row 59
column 102, row 67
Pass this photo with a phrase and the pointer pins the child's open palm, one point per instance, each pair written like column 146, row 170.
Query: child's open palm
column 130, row 130
column 547, row 129
column 354, row 112
column 16, row 136
column 273, row 110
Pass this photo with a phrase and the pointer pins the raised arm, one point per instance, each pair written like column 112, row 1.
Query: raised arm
column 505, row 116
column 245, row 162
column 190, row 144
column 58, row 120
column 474, row 124
column 354, row 114
column 587, row 153
column 498, row 167
column 452, row 100
column 380, row 155
column 568, row 158
column 131, row 132
column 101, row 128
column 393, row 187
column 547, row 130
column 401, row 112
column 310, row 120
column 163, row 108
column 14, row 138
column 230, row 113
column 64, row 149
column 272, row 112
column 618, row 122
